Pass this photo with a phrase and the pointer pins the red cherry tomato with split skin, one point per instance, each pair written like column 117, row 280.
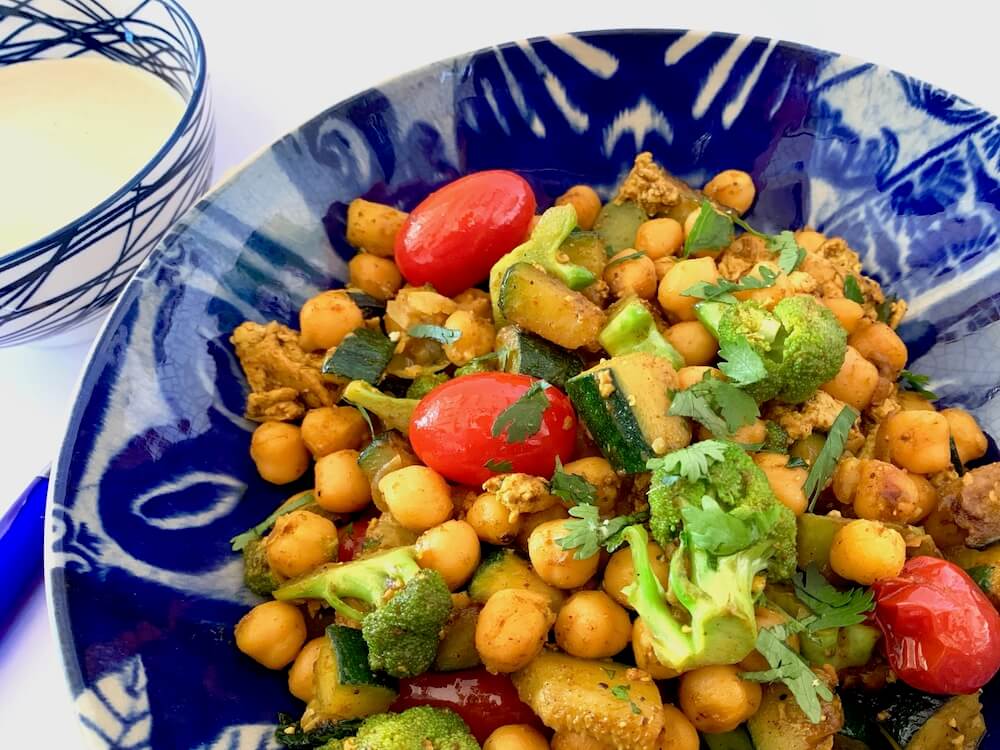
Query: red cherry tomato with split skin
column 456, row 234
column 485, row 701
column 451, row 428
column 941, row 633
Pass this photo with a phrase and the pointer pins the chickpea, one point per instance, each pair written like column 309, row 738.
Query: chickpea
column 848, row 312
column 452, row 549
column 881, row 346
column 299, row 542
column 577, row 741
column 969, row 439
column 592, row 626
column 554, row 565
column 733, row 188
column 475, row 301
column 271, row 634
column 477, row 337
column 586, row 202
column 375, row 276
column 694, row 342
column 620, row 571
column 716, row 699
column 663, row 265
column 512, row 628
column 809, row 240
column 636, row 276
column 845, row 479
column 786, row 483
column 684, row 275
column 373, row 226
column 927, row 497
column 678, row 732
column 645, row 656
column 341, row 485
column 599, row 473
column 884, row 493
column 491, row 520
column 766, row 618
column 918, row 441
column 941, row 526
column 327, row 318
column 866, row 551
column 855, row 383
column 659, row 238
column 418, row 497
column 278, row 452
column 910, row 401
column 300, row 676
column 516, row 737
column 688, row 376
column 333, row 428
column 532, row 521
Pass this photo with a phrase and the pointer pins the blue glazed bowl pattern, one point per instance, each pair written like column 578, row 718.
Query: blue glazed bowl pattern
column 73, row 274
column 154, row 476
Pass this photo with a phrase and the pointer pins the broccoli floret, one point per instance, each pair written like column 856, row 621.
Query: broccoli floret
column 800, row 343
column 324, row 736
column 408, row 606
column 424, row 384
column 731, row 528
column 394, row 412
column 423, row 727
column 542, row 249
column 258, row 576
column 631, row 328
column 776, row 440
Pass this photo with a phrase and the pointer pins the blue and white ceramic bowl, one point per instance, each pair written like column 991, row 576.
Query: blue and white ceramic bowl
column 154, row 476
column 73, row 274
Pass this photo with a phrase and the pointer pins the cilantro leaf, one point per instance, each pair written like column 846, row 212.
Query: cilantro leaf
column 622, row 259
column 788, row 667
column 722, row 290
column 692, row 462
column 911, row 381
column 831, row 608
column 852, row 291
column 826, row 461
column 240, row 541
column 439, row 333
column 741, row 364
column 720, row 533
column 790, row 253
column 523, row 418
column 720, row 406
column 572, row 488
column 884, row 309
column 711, row 231
column 587, row 532
column 500, row 466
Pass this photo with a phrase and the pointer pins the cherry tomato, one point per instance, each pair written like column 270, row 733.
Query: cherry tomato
column 457, row 233
column 485, row 701
column 451, row 428
column 942, row 635
column 352, row 538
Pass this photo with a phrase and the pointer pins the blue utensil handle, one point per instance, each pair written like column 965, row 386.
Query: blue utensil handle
column 22, row 531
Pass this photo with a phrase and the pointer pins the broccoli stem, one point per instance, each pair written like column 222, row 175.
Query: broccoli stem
column 394, row 412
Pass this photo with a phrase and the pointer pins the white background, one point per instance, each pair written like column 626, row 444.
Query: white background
column 273, row 64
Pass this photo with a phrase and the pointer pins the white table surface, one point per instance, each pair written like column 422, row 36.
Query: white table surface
column 274, row 64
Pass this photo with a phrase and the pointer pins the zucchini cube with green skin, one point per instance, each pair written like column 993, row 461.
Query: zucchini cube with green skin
column 505, row 569
column 850, row 646
column 617, row 225
column 983, row 565
column 527, row 354
column 631, row 328
column 362, row 355
column 624, row 402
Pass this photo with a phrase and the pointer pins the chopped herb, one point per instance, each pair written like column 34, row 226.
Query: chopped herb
column 609, row 672
column 367, row 418
column 587, row 532
column 692, row 462
column 722, row 291
column 572, row 488
column 788, row 667
column 621, row 692
column 790, row 253
column 956, row 459
column 438, row 333
column 711, row 231
column 500, row 466
column 720, row 406
column 884, row 309
column 796, row 462
column 622, row 259
column 829, row 454
column 852, row 291
column 523, row 418
column 720, row 533
column 916, row 383
column 242, row 540
column 831, row 608
column 741, row 364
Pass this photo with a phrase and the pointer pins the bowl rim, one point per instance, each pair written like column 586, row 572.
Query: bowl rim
column 197, row 94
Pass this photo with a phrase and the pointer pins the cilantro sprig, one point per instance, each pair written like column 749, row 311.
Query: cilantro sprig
column 571, row 488
column 916, row 383
column 240, row 541
column 587, row 532
column 740, row 363
column 826, row 461
column 692, row 462
column 523, row 418
column 713, row 230
column 720, row 406
column 438, row 333
column 788, row 667
column 723, row 289
column 831, row 607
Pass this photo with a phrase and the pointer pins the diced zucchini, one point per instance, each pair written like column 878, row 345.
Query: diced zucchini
column 542, row 304
column 738, row 739
column 779, row 723
column 850, row 646
column 624, row 403
column 983, row 565
column 385, row 454
column 488, row 362
column 617, row 224
column 505, row 569
column 586, row 249
column 457, row 649
column 345, row 686
column 370, row 307
column 527, row 354
column 631, row 328
column 424, row 384
column 362, row 355
column 815, row 537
